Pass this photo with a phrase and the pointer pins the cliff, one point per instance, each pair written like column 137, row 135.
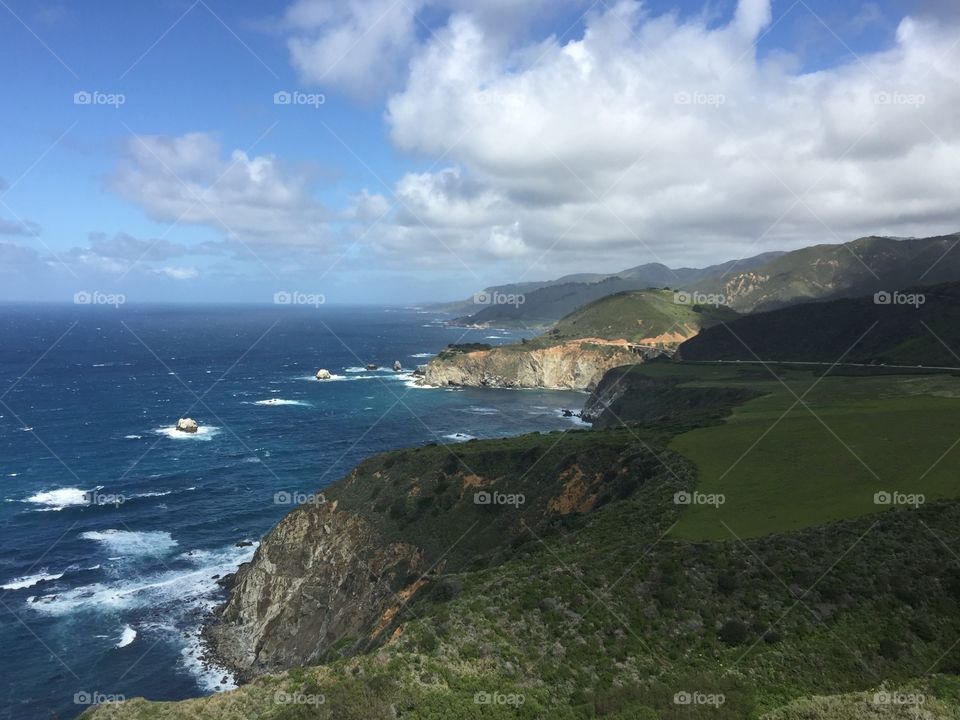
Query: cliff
column 333, row 578
column 573, row 365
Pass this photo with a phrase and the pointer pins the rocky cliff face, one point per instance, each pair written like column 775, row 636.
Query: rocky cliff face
column 321, row 576
column 574, row 365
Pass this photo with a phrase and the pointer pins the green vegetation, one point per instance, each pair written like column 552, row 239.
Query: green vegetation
column 920, row 326
column 603, row 596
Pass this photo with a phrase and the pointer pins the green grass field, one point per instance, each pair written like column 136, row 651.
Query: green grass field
column 781, row 469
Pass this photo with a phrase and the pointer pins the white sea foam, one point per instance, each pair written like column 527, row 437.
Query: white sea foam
column 61, row 498
column 30, row 580
column 281, row 401
column 132, row 437
column 126, row 637
column 204, row 432
column 127, row 543
column 459, row 437
column 478, row 410
column 423, row 355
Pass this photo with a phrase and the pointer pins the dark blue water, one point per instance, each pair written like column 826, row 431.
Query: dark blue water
column 113, row 527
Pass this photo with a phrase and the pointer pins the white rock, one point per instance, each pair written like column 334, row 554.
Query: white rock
column 323, row 374
column 187, row 425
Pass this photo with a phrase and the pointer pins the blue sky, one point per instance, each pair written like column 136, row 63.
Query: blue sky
column 395, row 189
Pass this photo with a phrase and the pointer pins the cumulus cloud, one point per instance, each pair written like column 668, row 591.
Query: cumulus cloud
column 179, row 273
column 670, row 139
column 362, row 47
column 186, row 179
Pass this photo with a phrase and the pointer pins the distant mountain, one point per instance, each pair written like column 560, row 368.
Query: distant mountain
column 860, row 267
column 545, row 303
column 919, row 326
column 762, row 282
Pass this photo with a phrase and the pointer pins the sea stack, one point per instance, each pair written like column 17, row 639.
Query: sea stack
column 323, row 374
column 397, row 367
column 187, row 425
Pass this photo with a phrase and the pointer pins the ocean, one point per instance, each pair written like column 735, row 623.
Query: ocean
column 115, row 528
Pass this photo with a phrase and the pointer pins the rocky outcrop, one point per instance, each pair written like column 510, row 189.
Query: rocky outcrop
column 187, row 425
column 319, row 577
column 397, row 367
column 323, row 374
column 572, row 365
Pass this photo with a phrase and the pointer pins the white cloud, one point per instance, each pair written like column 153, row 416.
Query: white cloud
column 180, row 273
column 651, row 131
column 186, row 179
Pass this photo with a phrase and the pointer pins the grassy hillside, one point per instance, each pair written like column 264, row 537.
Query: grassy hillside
column 644, row 316
column 785, row 465
column 923, row 332
column 605, row 597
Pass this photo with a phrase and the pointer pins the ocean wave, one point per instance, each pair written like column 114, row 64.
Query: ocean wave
column 28, row 581
column 281, row 401
column 128, row 543
column 459, row 437
column 204, row 432
column 132, row 437
column 126, row 637
column 422, row 355
column 172, row 591
column 62, row 498
column 478, row 410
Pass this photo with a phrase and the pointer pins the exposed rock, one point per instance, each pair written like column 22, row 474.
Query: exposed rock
column 307, row 587
column 323, row 374
column 573, row 365
column 372, row 366
column 243, row 543
column 397, row 367
column 187, row 425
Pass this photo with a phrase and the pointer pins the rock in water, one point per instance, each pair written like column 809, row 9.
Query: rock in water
column 372, row 366
column 323, row 374
column 187, row 425
column 397, row 367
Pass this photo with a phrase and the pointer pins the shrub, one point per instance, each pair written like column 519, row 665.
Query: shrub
column 733, row 632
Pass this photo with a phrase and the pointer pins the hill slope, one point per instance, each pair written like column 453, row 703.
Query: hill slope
column 581, row 346
column 855, row 330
